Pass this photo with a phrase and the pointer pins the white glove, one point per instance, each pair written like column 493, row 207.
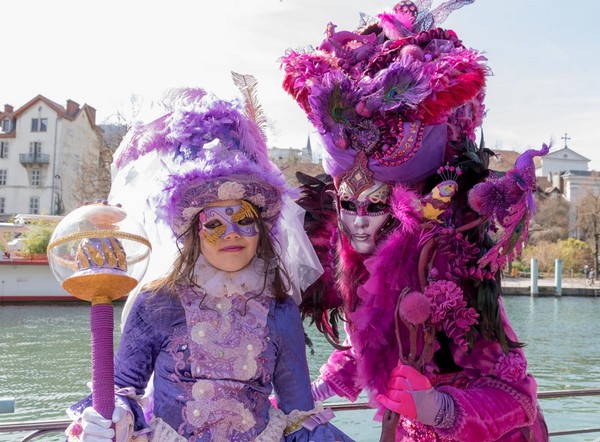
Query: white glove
column 98, row 429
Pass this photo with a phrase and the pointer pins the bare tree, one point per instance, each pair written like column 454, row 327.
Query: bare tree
column 587, row 220
column 126, row 117
column 93, row 179
column 550, row 221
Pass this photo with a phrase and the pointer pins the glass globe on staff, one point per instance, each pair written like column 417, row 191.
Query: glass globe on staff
column 99, row 254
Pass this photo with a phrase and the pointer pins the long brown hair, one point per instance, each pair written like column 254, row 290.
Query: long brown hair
column 188, row 244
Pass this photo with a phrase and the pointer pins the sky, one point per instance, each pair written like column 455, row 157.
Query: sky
column 544, row 56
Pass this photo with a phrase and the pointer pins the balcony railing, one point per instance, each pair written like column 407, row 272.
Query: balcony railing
column 39, row 428
column 34, row 158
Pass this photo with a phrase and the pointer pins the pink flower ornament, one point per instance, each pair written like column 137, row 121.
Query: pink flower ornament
column 450, row 312
column 511, row 367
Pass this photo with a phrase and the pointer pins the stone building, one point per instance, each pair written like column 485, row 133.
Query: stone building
column 49, row 156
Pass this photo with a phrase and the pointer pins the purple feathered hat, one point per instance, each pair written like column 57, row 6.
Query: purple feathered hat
column 209, row 150
column 399, row 89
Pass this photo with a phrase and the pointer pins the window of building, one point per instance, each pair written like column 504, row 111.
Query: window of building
column 34, row 205
column 35, row 177
column 6, row 126
column 3, row 173
column 3, row 149
column 39, row 124
column 2, row 203
column 35, row 148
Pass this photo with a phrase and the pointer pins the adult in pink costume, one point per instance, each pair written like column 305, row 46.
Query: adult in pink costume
column 214, row 332
column 404, row 231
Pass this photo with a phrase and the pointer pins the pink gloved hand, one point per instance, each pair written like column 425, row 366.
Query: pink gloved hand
column 410, row 394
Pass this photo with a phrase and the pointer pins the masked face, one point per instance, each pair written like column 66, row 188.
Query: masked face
column 228, row 234
column 364, row 217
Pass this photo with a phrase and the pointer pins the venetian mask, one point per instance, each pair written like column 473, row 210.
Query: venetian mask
column 228, row 234
column 365, row 216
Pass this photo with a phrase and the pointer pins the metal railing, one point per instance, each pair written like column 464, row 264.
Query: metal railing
column 40, row 428
column 34, row 158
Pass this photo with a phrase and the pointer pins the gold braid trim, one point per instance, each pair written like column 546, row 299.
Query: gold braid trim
column 294, row 426
column 212, row 238
column 79, row 236
column 247, row 211
column 296, row 418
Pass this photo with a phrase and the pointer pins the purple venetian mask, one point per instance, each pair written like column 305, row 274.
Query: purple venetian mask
column 220, row 221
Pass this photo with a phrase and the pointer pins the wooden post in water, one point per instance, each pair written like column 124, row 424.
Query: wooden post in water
column 534, row 277
column 558, row 276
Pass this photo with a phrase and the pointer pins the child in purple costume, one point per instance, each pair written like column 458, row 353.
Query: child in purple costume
column 218, row 333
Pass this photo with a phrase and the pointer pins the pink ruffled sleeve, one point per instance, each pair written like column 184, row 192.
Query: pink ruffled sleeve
column 340, row 373
column 499, row 399
column 489, row 409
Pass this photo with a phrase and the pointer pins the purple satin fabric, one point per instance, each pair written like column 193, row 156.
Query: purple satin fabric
column 426, row 160
column 155, row 338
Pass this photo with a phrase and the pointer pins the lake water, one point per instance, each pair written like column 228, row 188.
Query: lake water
column 44, row 361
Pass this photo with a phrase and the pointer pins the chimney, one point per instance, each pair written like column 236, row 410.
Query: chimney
column 72, row 107
column 8, row 109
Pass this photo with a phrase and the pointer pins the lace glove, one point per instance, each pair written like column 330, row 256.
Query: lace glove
column 321, row 390
column 410, row 394
column 98, row 429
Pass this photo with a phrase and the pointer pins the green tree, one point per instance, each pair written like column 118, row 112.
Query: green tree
column 37, row 238
column 573, row 252
column 545, row 252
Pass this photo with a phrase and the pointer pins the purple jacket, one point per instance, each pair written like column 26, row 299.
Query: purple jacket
column 215, row 361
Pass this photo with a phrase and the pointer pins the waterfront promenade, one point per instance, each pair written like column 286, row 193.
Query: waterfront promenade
column 546, row 287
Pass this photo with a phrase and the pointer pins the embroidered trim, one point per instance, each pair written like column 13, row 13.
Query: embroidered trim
column 275, row 427
column 162, row 432
column 296, row 418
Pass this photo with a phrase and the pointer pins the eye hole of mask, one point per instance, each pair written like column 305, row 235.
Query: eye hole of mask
column 348, row 205
column 213, row 224
column 377, row 207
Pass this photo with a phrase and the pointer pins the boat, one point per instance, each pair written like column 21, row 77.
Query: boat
column 25, row 275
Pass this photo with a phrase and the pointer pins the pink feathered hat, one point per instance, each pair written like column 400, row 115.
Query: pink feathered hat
column 398, row 88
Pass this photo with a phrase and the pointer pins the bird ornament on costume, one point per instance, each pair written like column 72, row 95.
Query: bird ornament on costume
column 403, row 222
column 438, row 200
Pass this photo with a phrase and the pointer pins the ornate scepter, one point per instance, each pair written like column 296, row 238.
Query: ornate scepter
column 99, row 254
column 413, row 310
column 440, row 307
